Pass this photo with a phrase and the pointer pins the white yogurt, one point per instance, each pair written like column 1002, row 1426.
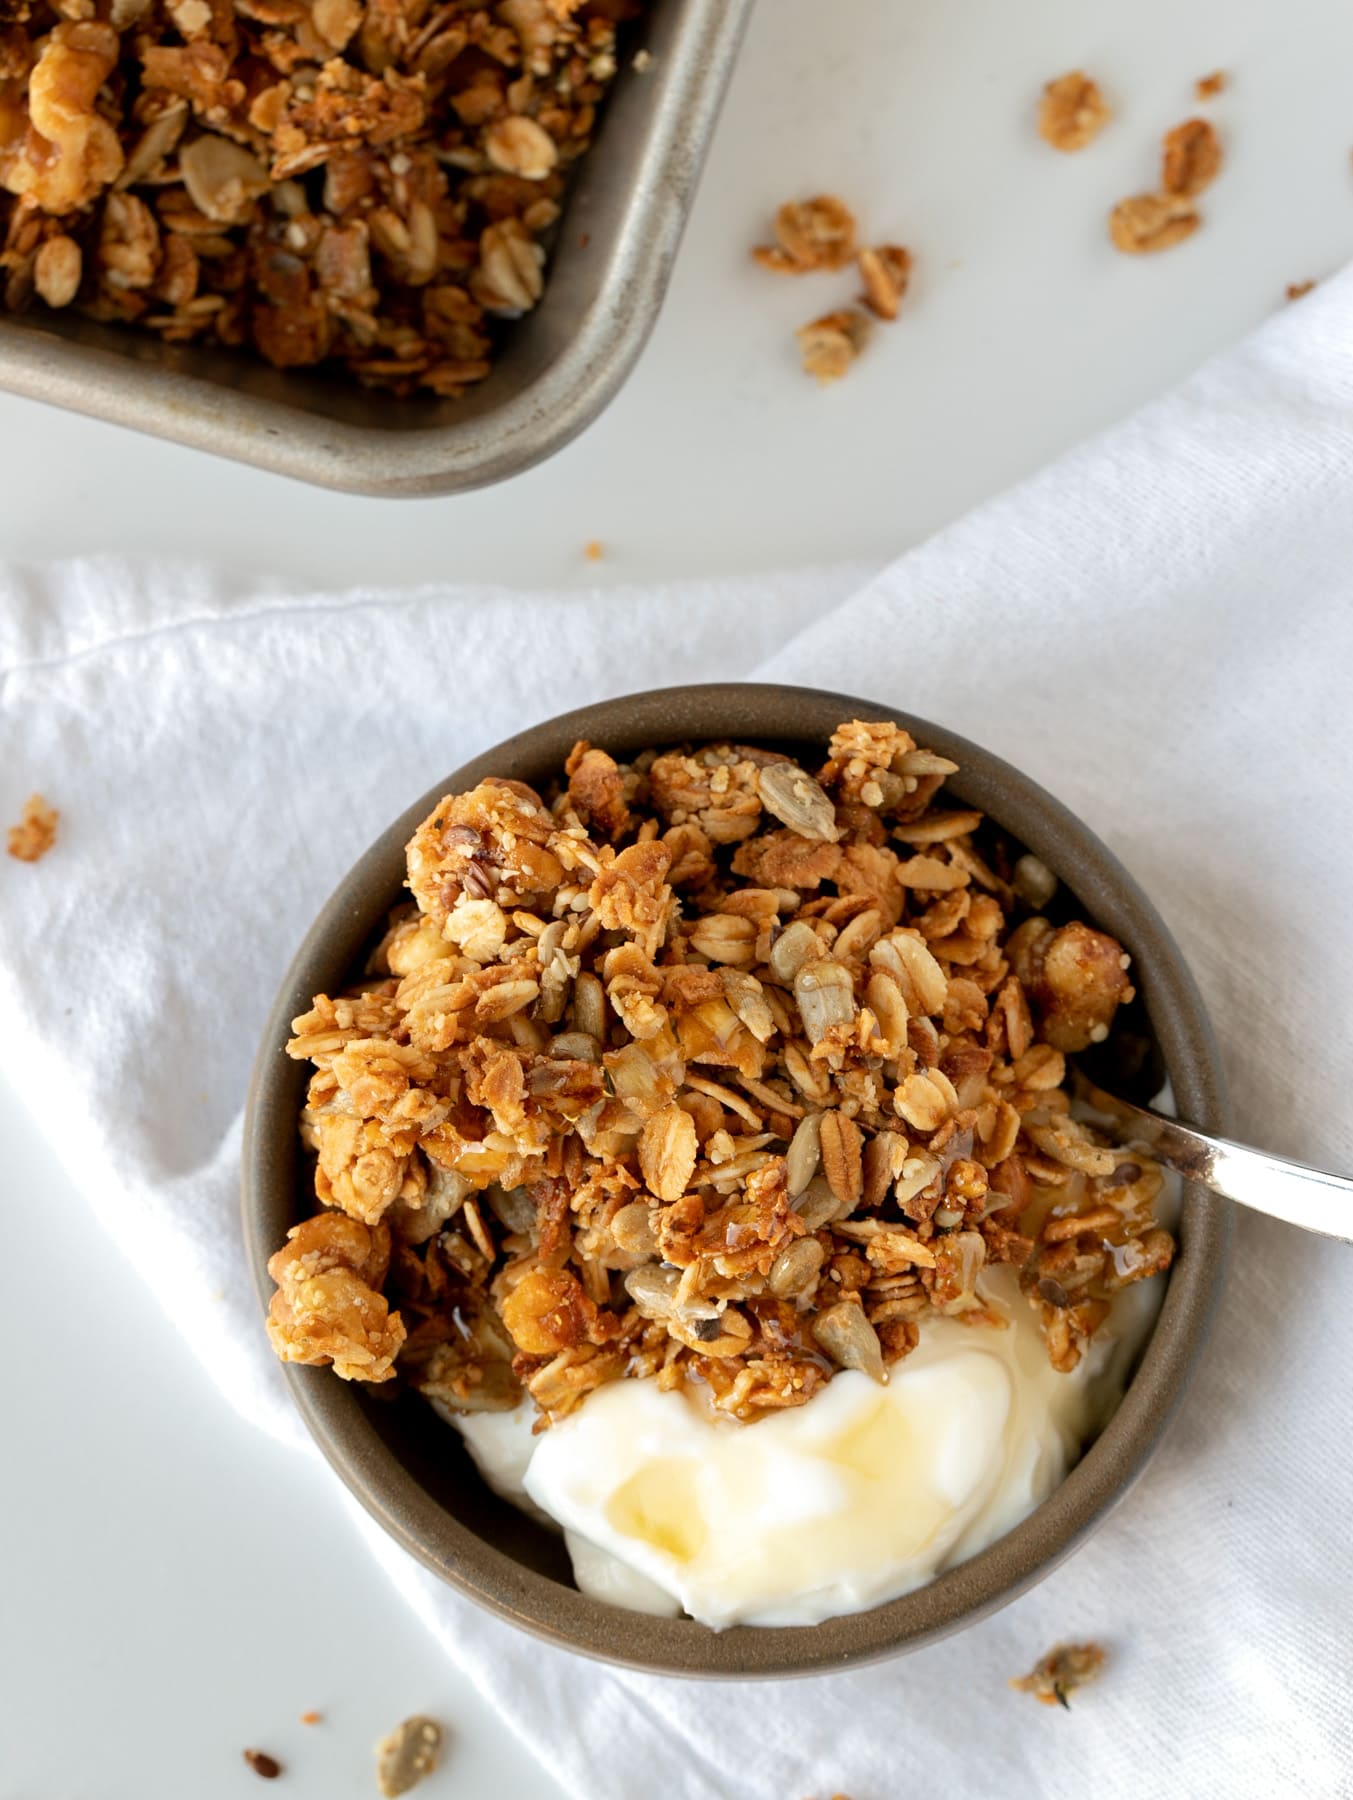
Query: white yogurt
column 862, row 1494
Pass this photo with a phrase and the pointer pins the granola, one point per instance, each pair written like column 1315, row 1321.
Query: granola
column 1058, row 1674
column 35, row 833
column 1072, row 112
column 362, row 184
column 1190, row 162
column 708, row 1067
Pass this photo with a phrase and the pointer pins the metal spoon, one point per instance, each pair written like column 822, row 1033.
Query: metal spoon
column 1311, row 1198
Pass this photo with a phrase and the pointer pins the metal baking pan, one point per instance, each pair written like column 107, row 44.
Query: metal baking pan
column 560, row 366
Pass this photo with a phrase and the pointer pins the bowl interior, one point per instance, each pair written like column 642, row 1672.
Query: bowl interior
column 412, row 1472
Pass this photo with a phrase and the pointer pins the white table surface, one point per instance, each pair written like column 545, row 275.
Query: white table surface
column 175, row 1587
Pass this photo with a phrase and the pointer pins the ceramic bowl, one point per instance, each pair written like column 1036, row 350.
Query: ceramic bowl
column 411, row 1472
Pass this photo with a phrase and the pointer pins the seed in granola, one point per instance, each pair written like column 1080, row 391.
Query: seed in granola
column 804, row 1154
column 1192, row 158
column 829, row 345
column 408, row 1755
column 825, row 996
column 849, row 1339
column 35, row 833
column 885, row 271
column 811, row 234
column 1056, row 1676
column 57, row 270
column 797, row 801
column 1034, row 882
column 263, row 1764
column 1072, row 112
column 1151, row 222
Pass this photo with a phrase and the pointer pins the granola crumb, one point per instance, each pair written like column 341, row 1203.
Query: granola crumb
column 885, row 271
column 1207, row 87
column 643, row 61
column 1150, row 222
column 594, row 550
column 35, row 833
column 810, row 235
column 1192, row 158
column 829, row 345
column 1056, row 1676
column 1072, row 112
column 1296, row 290
column 408, row 1755
column 311, row 1717
column 262, row 1764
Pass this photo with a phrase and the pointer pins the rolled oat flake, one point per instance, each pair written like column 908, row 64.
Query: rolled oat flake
column 407, row 1755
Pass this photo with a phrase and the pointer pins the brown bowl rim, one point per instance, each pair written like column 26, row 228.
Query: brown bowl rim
column 336, row 1414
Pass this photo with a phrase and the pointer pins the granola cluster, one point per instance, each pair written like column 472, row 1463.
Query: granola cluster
column 34, row 835
column 712, row 1069
column 363, row 183
column 1190, row 162
column 817, row 235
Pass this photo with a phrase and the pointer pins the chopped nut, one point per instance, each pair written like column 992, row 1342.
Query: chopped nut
column 829, row 345
column 1072, row 112
column 1192, row 158
column 1057, row 1675
column 407, row 1755
column 1151, row 222
column 35, row 833
column 885, row 272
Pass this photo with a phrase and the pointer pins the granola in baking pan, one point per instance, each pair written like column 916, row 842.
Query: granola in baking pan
column 712, row 1067
column 368, row 184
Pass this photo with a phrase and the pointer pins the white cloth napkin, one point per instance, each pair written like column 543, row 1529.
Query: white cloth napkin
column 1159, row 628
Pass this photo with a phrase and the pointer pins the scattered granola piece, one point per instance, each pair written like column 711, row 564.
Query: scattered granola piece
column 263, row 1764
column 885, row 271
column 1058, row 1674
column 1072, row 112
column 1192, row 159
column 812, row 234
column 642, row 61
column 1207, row 87
column 1296, row 290
column 407, row 1755
column 35, row 833
column 1151, row 222
column 829, row 345
column 311, row 1718
column 593, row 550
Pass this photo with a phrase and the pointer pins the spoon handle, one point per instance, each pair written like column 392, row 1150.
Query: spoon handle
column 1311, row 1198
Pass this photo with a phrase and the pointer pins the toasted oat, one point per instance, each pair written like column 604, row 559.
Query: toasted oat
column 1297, row 290
column 35, row 833
column 1207, row 87
column 885, row 272
column 363, row 186
column 1057, row 1675
column 1072, row 112
column 829, row 345
column 810, row 235
column 263, row 1764
column 1192, row 158
column 1151, row 222
column 408, row 1755
column 710, row 1066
